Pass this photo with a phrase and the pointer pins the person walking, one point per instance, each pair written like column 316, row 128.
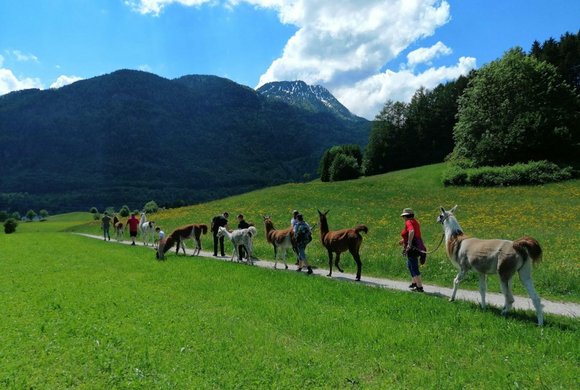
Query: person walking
column 160, row 234
column 303, row 236
column 242, row 224
column 412, row 245
column 217, row 222
column 106, row 225
column 133, row 223
column 293, row 223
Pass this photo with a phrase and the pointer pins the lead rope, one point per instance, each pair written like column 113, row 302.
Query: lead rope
column 428, row 253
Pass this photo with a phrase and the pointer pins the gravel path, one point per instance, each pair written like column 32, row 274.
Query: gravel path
column 567, row 309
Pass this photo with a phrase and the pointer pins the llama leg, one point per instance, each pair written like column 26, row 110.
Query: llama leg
column 460, row 276
column 337, row 260
column 248, row 249
column 506, row 289
column 329, row 263
column 356, row 258
column 284, row 258
column 526, row 278
column 482, row 288
column 276, row 257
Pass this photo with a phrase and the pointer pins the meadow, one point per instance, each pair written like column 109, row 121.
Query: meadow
column 550, row 213
column 83, row 313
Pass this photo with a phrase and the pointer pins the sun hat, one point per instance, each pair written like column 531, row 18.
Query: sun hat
column 407, row 211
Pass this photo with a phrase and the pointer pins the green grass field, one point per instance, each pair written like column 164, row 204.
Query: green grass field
column 82, row 313
column 550, row 213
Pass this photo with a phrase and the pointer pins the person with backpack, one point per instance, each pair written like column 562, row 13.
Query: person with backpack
column 303, row 236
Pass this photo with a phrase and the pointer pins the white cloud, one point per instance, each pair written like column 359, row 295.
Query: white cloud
column 23, row 57
column 156, row 6
column 1, row 60
column 63, row 80
column 345, row 45
column 366, row 97
column 9, row 82
column 425, row 55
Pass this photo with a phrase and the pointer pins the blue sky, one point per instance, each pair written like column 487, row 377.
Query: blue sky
column 364, row 51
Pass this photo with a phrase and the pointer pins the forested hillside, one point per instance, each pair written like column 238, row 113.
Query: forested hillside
column 130, row 137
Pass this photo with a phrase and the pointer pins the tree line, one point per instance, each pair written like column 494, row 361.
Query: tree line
column 522, row 107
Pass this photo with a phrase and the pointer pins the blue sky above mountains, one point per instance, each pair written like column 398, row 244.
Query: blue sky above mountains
column 363, row 51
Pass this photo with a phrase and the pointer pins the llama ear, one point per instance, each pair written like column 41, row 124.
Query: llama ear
column 326, row 212
column 319, row 213
column 453, row 209
column 442, row 209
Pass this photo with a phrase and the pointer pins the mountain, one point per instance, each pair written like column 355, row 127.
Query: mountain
column 314, row 98
column 130, row 137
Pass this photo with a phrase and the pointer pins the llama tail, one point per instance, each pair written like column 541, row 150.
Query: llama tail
column 528, row 246
column 203, row 229
column 361, row 228
column 252, row 230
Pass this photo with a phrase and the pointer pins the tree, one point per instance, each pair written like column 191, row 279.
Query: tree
column 384, row 150
column 331, row 154
column 516, row 109
column 30, row 215
column 94, row 210
column 124, row 211
column 43, row 214
column 10, row 225
column 151, row 207
column 3, row 216
column 344, row 167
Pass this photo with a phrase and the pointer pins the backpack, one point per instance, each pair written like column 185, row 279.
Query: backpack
column 303, row 233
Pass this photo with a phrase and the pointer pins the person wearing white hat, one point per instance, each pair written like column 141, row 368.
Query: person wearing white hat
column 411, row 237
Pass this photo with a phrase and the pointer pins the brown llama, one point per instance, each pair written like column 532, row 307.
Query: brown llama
column 339, row 241
column 282, row 239
column 119, row 228
column 178, row 236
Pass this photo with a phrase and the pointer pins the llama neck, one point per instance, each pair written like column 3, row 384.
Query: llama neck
column 323, row 225
column 452, row 228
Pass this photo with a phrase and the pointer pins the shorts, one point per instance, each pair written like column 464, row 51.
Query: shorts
column 133, row 234
column 413, row 265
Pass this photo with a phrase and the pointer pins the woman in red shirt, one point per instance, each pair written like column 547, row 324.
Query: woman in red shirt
column 412, row 241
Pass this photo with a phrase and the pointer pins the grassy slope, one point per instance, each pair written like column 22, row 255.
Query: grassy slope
column 550, row 213
column 83, row 313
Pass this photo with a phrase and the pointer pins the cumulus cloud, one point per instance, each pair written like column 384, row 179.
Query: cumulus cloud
column 366, row 97
column 9, row 82
column 426, row 55
column 63, row 80
column 345, row 45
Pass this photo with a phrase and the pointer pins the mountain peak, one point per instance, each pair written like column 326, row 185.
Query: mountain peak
column 314, row 98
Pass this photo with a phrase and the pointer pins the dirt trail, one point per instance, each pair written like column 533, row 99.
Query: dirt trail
column 567, row 309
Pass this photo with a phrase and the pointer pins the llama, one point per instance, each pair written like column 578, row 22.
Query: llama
column 178, row 236
column 238, row 238
column 280, row 239
column 119, row 228
column 147, row 230
column 340, row 241
column 503, row 257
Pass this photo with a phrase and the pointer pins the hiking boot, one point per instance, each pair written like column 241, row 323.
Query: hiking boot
column 299, row 269
column 309, row 270
column 413, row 286
column 419, row 289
